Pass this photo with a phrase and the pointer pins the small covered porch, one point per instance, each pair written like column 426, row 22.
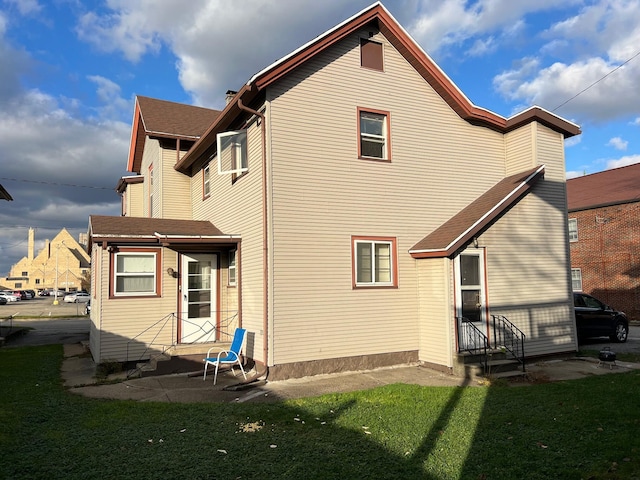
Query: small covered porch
column 161, row 288
column 457, row 319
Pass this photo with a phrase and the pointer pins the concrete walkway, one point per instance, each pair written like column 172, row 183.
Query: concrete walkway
column 78, row 373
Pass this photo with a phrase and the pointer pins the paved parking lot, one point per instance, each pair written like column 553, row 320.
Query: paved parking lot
column 41, row 307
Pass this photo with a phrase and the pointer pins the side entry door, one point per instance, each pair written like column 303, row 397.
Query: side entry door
column 470, row 295
column 199, row 315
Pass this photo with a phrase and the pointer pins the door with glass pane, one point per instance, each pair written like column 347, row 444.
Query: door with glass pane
column 470, row 295
column 198, row 316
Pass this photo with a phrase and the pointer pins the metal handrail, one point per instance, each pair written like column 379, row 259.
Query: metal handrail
column 473, row 340
column 506, row 335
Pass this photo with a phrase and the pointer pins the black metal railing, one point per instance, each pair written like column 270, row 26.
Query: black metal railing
column 472, row 340
column 505, row 335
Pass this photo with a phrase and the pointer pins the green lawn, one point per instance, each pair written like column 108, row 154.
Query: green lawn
column 586, row 429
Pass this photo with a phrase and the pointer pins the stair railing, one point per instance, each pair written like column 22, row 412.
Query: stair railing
column 473, row 340
column 506, row 335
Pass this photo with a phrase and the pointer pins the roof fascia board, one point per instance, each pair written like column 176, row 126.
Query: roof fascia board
column 135, row 132
column 479, row 224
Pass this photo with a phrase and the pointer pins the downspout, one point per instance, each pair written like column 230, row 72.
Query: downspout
column 265, row 243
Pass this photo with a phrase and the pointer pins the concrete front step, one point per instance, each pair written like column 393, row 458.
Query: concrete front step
column 181, row 358
column 494, row 367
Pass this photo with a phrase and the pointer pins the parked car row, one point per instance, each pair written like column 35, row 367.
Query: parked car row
column 16, row 295
column 8, row 296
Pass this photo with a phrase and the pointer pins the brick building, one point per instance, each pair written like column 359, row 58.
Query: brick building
column 604, row 236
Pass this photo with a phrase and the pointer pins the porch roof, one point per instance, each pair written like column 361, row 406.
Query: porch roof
column 163, row 231
column 474, row 218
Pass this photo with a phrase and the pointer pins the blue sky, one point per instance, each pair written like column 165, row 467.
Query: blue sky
column 70, row 69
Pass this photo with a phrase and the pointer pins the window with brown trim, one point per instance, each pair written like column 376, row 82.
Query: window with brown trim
column 371, row 54
column 206, row 181
column 374, row 262
column 135, row 272
column 373, row 134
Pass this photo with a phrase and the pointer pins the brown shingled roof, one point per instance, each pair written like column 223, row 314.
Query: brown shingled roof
column 611, row 187
column 155, row 230
column 174, row 119
column 471, row 220
column 153, row 117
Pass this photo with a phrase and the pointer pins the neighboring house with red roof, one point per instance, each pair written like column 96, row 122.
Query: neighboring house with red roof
column 350, row 207
column 604, row 234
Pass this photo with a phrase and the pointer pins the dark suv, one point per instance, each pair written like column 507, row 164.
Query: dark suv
column 595, row 319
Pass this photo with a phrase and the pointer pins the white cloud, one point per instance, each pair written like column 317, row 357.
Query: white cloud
column 113, row 105
column 573, row 141
column 26, row 7
column 618, row 143
column 205, row 35
column 596, row 85
column 437, row 25
column 623, row 161
column 636, row 121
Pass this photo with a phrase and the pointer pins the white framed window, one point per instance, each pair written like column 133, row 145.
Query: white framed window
column 573, row 229
column 576, row 279
column 232, row 152
column 373, row 133
column 232, row 268
column 206, row 181
column 374, row 262
column 136, row 273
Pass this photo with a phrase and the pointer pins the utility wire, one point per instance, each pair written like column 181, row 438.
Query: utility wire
column 55, row 183
column 596, row 82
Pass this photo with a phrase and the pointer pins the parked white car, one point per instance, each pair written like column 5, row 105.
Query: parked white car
column 9, row 296
column 77, row 297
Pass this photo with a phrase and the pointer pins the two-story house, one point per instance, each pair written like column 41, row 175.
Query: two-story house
column 604, row 235
column 350, row 207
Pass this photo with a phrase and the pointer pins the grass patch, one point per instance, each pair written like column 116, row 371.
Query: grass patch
column 571, row 430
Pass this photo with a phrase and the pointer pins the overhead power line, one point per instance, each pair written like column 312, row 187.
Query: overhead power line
column 55, row 183
column 596, row 82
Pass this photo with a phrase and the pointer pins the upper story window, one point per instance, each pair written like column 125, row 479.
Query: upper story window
column 573, row 229
column 374, row 262
column 206, row 181
column 371, row 54
column 373, row 134
column 576, row 279
column 136, row 273
column 232, row 152
column 151, row 188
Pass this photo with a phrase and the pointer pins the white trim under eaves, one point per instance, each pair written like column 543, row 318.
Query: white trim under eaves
column 196, row 237
column 477, row 222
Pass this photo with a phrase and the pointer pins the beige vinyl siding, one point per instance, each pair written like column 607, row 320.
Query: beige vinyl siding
column 235, row 207
column 435, row 324
column 529, row 280
column 174, row 187
column 323, row 194
column 135, row 200
column 520, row 154
column 150, row 156
column 126, row 319
column 96, row 301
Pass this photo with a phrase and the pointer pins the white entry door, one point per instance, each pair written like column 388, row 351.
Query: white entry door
column 470, row 294
column 198, row 319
